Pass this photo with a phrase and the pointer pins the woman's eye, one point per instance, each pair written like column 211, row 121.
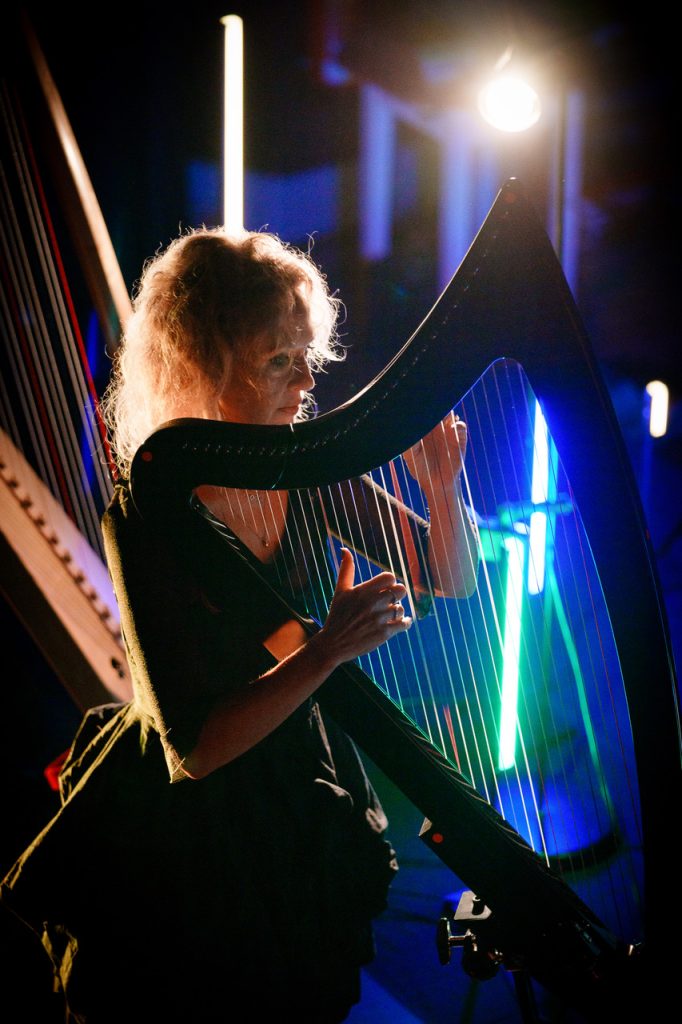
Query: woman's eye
column 280, row 361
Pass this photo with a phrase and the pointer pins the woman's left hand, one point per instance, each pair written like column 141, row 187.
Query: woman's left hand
column 438, row 458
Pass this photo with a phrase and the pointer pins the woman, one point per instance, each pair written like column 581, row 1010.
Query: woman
column 250, row 880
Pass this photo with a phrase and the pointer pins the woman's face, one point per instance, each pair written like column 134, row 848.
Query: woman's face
column 272, row 388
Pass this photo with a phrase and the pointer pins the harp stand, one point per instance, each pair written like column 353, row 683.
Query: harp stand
column 481, row 959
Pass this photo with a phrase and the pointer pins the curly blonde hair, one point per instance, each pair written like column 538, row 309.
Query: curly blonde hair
column 209, row 299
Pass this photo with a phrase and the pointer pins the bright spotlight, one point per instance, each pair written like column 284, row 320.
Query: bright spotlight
column 509, row 104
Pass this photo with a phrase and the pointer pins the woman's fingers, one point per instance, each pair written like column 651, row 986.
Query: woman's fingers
column 346, row 576
column 442, row 447
column 390, row 608
column 364, row 615
column 398, row 619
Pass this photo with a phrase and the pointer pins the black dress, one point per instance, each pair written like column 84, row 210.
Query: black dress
column 193, row 900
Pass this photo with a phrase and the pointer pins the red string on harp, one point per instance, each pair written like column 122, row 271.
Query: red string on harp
column 68, row 298
column 45, row 421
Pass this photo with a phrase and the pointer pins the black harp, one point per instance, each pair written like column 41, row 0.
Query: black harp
column 507, row 312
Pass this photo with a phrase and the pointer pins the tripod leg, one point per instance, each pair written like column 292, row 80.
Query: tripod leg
column 526, row 997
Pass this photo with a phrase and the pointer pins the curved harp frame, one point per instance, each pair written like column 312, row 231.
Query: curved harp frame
column 508, row 300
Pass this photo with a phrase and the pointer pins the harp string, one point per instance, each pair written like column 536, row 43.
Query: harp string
column 410, row 648
column 480, row 648
column 397, row 563
column 576, row 605
column 545, row 650
column 442, row 619
column 567, row 767
column 571, row 782
column 514, row 435
column 349, row 529
column 308, row 539
column 449, row 616
column 604, row 715
column 550, row 708
column 512, row 544
column 21, row 404
column 73, row 345
column 485, row 702
column 57, row 407
column 513, row 470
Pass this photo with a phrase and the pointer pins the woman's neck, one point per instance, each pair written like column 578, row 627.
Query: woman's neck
column 257, row 518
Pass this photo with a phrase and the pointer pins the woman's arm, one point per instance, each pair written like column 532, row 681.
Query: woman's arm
column 436, row 464
column 360, row 619
column 200, row 674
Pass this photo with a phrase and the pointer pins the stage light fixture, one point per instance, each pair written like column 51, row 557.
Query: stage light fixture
column 509, row 103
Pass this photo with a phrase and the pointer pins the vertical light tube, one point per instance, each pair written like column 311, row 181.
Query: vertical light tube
column 457, row 197
column 566, row 181
column 572, row 189
column 512, row 651
column 658, row 407
column 233, row 125
column 377, row 172
column 539, row 496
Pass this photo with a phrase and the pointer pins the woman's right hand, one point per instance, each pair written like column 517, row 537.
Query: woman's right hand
column 360, row 618
column 363, row 616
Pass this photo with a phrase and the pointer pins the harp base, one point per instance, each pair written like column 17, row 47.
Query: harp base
column 487, row 945
column 481, row 957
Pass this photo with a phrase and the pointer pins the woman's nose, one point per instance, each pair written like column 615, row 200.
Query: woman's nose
column 301, row 376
